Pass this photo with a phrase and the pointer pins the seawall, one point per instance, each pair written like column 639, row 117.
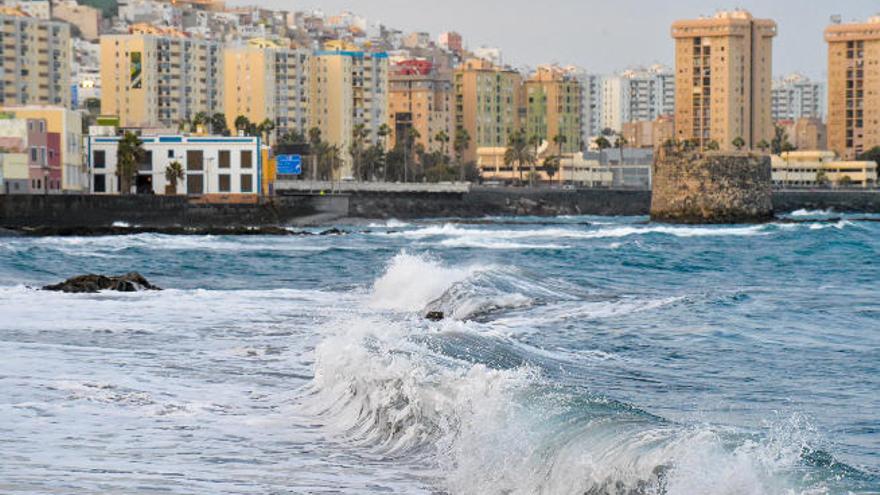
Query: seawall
column 86, row 211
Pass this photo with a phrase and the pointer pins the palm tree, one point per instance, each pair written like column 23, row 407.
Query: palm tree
column 173, row 174
column 358, row 135
column 242, row 123
column 184, row 125
column 602, row 143
column 763, row 145
column 442, row 138
column 461, row 142
column 559, row 139
column 738, row 143
column 265, row 129
column 200, row 119
column 619, row 143
column 519, row 152
column 218, row 124
column 129, row 153
column 713, row 145
column 412, row 135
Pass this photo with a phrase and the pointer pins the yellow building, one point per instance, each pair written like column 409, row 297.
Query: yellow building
column 853, row 87
column 553, row 108
column 420, row 98
column 35, row 66
column 263, row 80
column 723, row 79
column 649, row 133
column 348, row 88
column 814, row 168
column 487, row 104
column 151, row 81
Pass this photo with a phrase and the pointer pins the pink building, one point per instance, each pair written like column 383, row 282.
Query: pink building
column 451, row 41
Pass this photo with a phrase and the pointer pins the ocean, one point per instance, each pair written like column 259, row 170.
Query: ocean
column 578, row 355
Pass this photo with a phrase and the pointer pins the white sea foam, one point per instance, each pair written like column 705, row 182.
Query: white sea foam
column 122, row 224
column 483, row 235
column 412, row 281
column 811, row 213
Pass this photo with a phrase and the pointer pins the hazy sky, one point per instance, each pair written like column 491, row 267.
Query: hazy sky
column 602, row 36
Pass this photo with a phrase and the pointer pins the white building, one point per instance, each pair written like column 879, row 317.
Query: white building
column 796, row 96
column 631, row 96
column 211, row 164
column 491, row 54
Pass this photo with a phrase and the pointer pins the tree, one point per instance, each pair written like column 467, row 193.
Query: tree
column 265, row 129
column 551, row 166
column 200, row 119
column 872, row 155
column 356, row 148
column 845, row 181
column 242, row 124
column 779, row 143
column 713, row 145
column 519, row 153
column 763, row 145
column 602, row 143
column 292, row 137
column 821, row 178
column 461, row 143
column 559, row 140
column 619, row 143
column 129, row 154
column 184, row 125
column 173, row 174
column 442, row 138
column 218, row 124
column 738, row 143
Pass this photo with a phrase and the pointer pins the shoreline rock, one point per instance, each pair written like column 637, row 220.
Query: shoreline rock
column 91, row 284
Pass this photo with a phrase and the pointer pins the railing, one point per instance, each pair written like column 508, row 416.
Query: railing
column 332, row 187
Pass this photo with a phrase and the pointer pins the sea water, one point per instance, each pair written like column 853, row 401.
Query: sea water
column 578, row 355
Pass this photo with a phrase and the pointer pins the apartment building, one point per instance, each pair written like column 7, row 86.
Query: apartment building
column 421, row 97
column 264, row 80
column 723, row 82
column 54, row 147
column 348, row 88
column 553, row 99
column 797, row 97
column 487, row 104
column 155, row 81
column 35, row 60
column 853, row 87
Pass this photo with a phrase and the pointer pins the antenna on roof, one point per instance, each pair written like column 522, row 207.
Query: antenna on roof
column 835, row 19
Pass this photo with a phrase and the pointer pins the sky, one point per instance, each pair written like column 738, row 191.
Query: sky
column 602, row 36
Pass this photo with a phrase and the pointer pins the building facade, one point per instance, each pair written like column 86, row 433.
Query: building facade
column 263, row 80
column 54, row 147
column 806, row 133
column 348, row 89
column 211, row 164
column 853, row 87
column 35, row 60
column 151, row 81
column 420, row 97
column 796, row 97
column 553, row 102
column 821, row 168
column 487, row 104
column 724, row 79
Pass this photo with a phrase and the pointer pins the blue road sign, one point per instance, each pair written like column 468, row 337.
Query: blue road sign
column 289, row 164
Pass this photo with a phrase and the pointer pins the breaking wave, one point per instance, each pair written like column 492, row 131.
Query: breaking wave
column 492, row 415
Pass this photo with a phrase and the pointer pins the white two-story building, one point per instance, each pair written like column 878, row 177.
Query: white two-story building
column 211, row 164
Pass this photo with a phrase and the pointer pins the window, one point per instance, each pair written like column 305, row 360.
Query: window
column 247, row 159
column 34, row 155
column 194, row 184
column 170, row 153
column 195, row 160
column 225, row 182
column 146, row 164
column 100, row 183
column 224, row 159
column 247, row 183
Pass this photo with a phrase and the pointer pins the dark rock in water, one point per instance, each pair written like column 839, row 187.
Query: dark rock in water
column 435, row 315
column 333, row 231
column 130, row 282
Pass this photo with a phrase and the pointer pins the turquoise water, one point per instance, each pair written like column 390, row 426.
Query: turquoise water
column 579, row 355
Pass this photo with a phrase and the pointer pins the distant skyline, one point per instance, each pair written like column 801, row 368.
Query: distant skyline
column 602, row 37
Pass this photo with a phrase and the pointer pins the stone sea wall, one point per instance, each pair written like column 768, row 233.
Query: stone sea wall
column 711, row 187
column 166, row 211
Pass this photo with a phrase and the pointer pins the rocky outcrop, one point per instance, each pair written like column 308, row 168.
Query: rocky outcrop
column 695, row 187
column 130, row 282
